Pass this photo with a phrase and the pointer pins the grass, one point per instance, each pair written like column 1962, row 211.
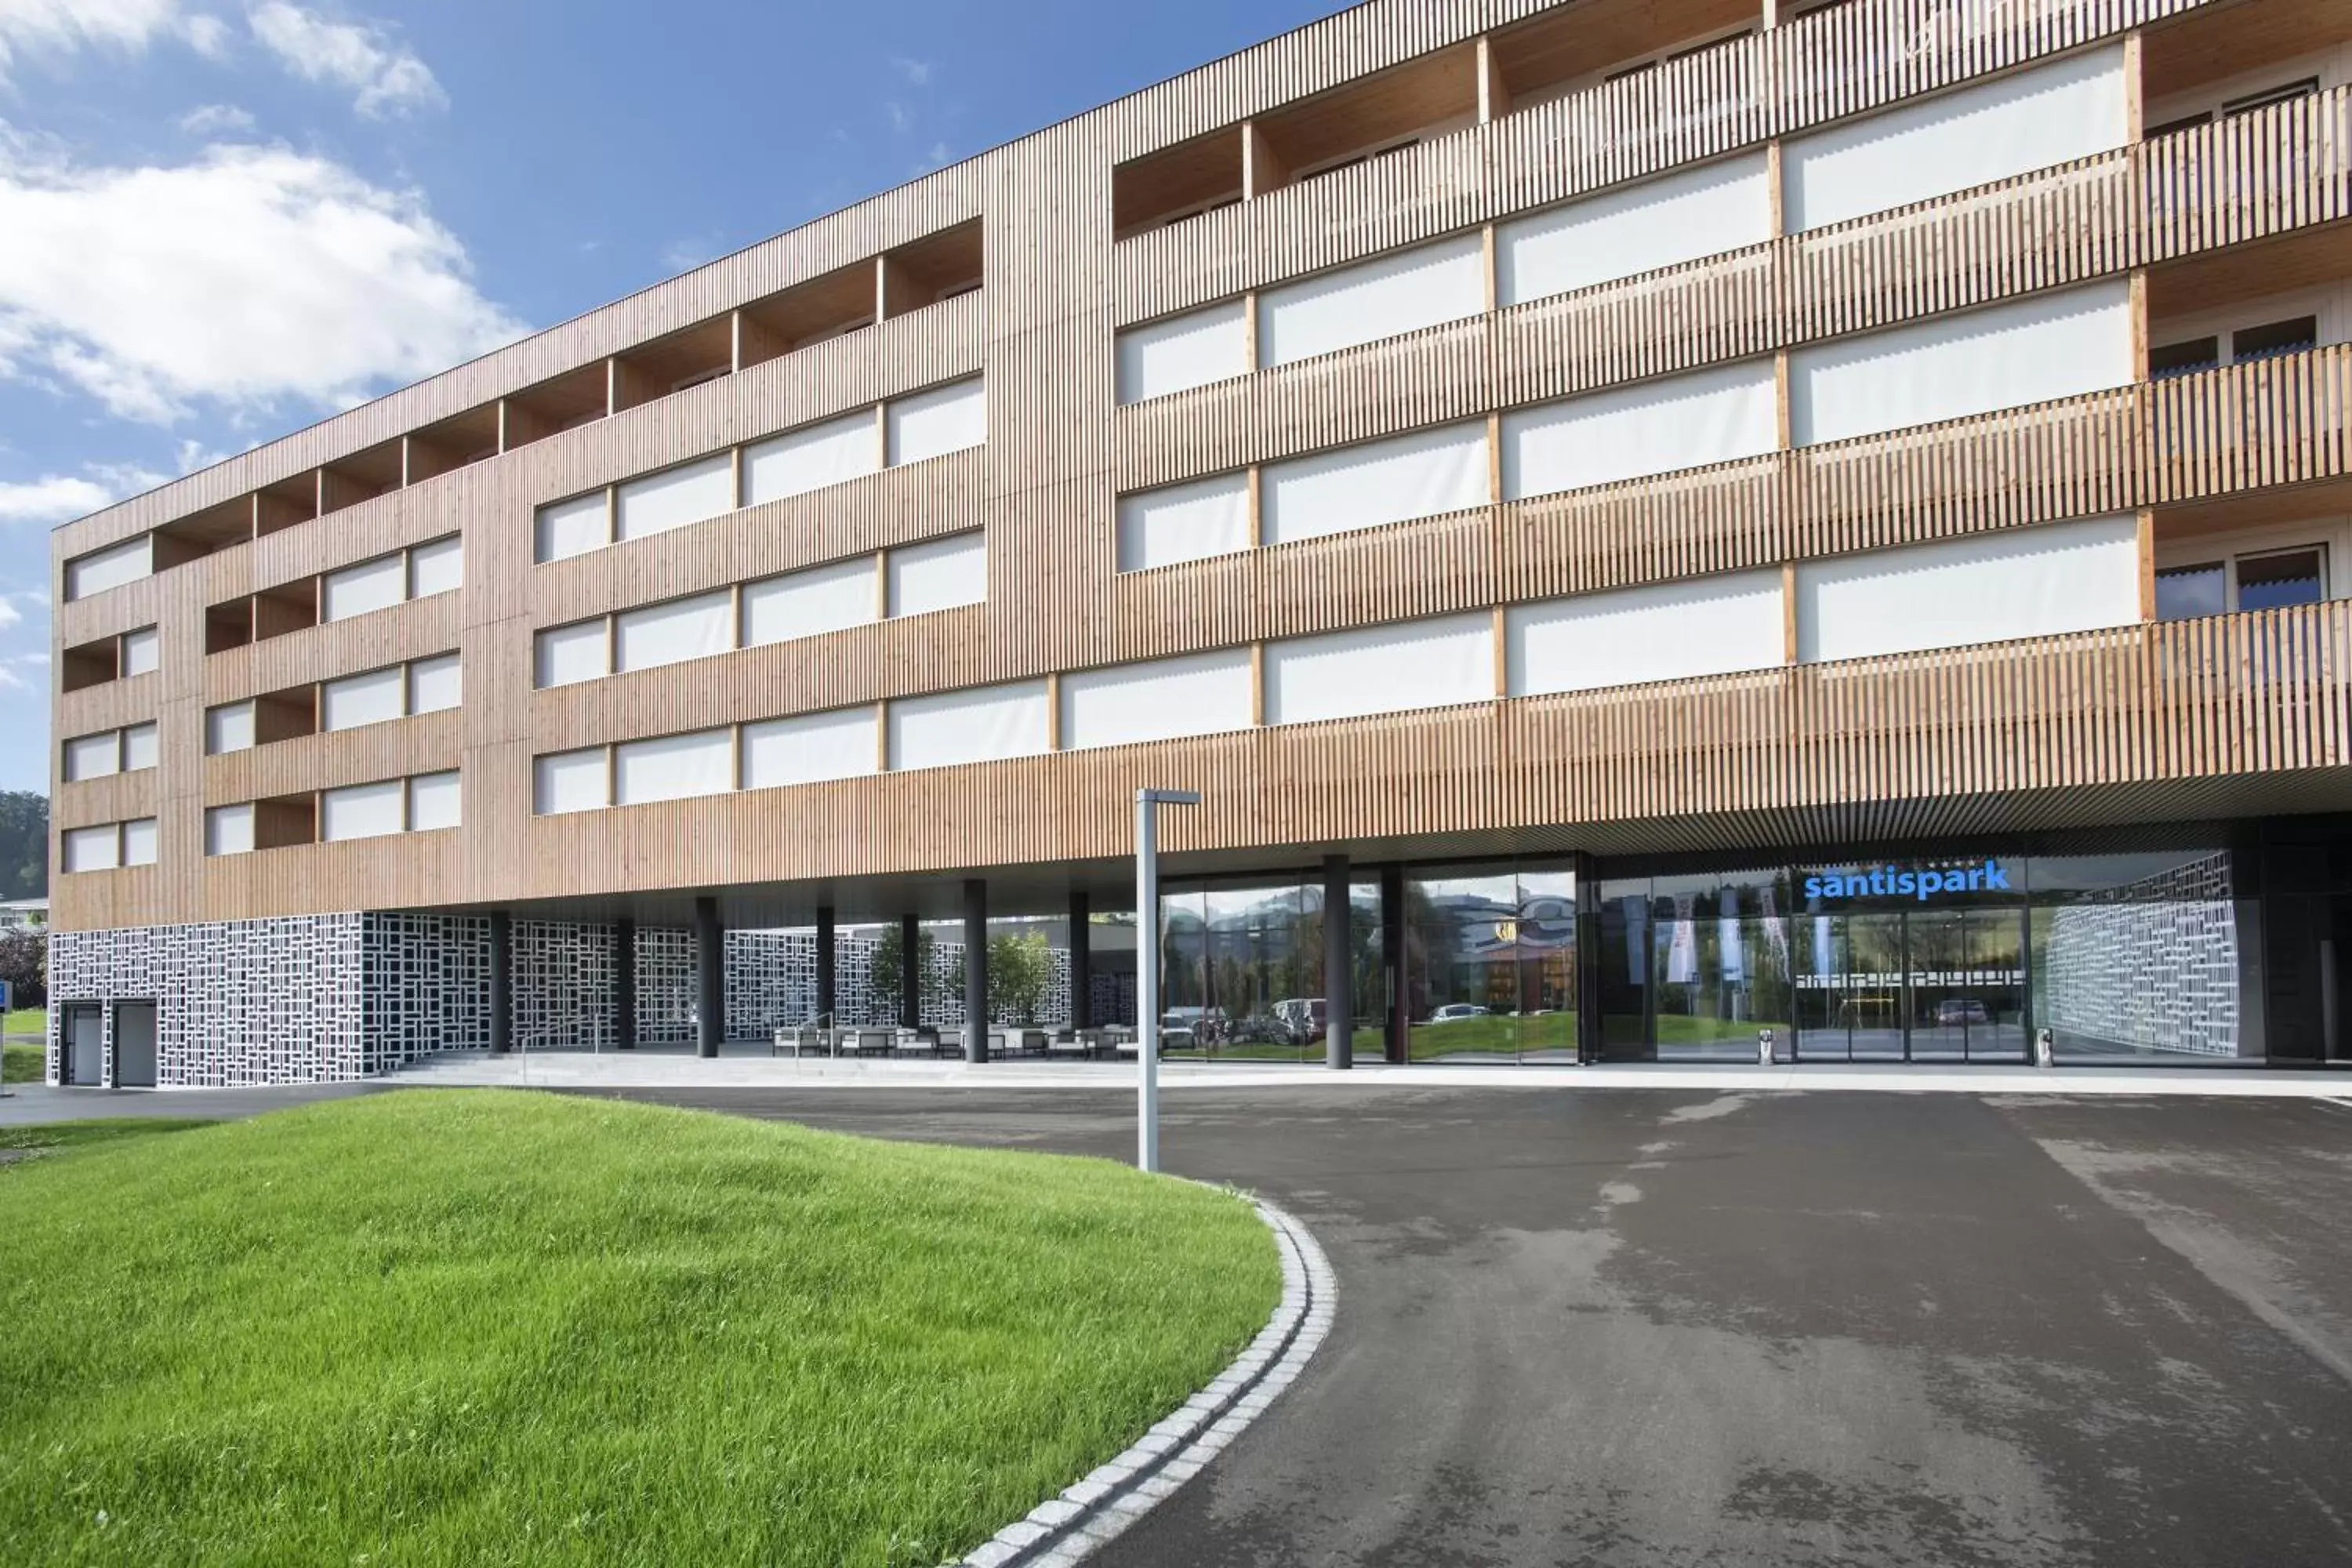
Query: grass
column 50, row 1137
column 494, row 1326
column 24, row 1021
column 22, row 1061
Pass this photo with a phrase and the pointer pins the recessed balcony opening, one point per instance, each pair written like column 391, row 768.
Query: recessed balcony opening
column 286, row 715
column 228, row 625
column 90, row 664
column 214, row 529
column 291, row 607
column 2257, row 302
column 282, row 821
column 453, row 443
column 935, row 268
column 575, row 397
column 1352, row 124
column 704, row 352
column 1580, row 45
column 830, row 306
column 362, row 475
column 2223, row 60
column 286, row 504
column 2263, row 551
column 1176, row 182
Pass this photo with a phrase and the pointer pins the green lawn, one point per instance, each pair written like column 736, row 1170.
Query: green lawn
column 22, row 1061
column 495, row 1327
column 24, row 1021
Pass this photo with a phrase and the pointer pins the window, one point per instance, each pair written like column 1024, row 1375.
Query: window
column 1183, row 351
column 939, row 575
column 434, row 684
column 230, row 728
column 975, row 726
column 142, row 651
column 816, row 746
column 1661, row 631
column 438, row 566
column 110, row 568
column 2186, row 123
column 374, row 698
column 803, row 604
column 228, row 829
column 1381, row 669
column 565, row 655
column 571, row 781
column 1652, row 428
column 92, row 848
column 362, row 810
column 574, row 527
column 675, row 497
column 139, row 841
column 1699, row 212
column 93, row 756
column 803, row 460
column 2185, row 592
column 1427, row 474
column 2287, row 92
column 1373, row 300
column 370, row 586
column 1198, row 694
column 1184, row 522
column 671, row 633
column 433, row 801
column 2013, row 583
column 674, row 767
column 947, row 419
column 2281, row 578
column 2184, row 358
column 2298, row 334
column 139, row 748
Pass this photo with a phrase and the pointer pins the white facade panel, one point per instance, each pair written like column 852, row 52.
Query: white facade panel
column 2029, row 351
column 803, row 460
column 563, row 655
column 573, row 527
column 945, row 419
column 433, row 801
column 1659, row 223
column 1183, row 351
column 1200, row 694
column 230, row 728
column 809, row 748
column 1657, row 428
column 939, row 574
column 674, row 767
column 1664, row 631
column 140, row 748
column 1184, row 522
column 370, row 586
column 1381, row 669
column 570, row 780
column 1422, row 474
column 362, row 811
column 111, row 567
column 681, row 629
column 228, row 829
column 2032, row 120
column 436, row 566
column 1362, row 304
column 675, row 497
column 977, row 726
column 357, row 700
column 92, row 848
column 434, row 684
column 139, row 839
column 142, row 651
column 93, row 756
column 805, row 604
column 2019, row 582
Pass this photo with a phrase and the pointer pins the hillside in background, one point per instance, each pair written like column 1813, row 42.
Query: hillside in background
column 24, row 845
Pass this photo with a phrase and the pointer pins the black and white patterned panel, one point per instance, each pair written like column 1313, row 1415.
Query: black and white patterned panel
column 665, row 984
column 566, row 985
column 2148, row 967
column 428, row 983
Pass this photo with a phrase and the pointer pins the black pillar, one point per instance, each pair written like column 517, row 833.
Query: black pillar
column 1082, row 964
column 709, row 978
column 1338, row 967
column 975, row 970
column 1398, row 1033
column 825, row 1007
column 501, row 984
column 910, row 972
column 625, row 985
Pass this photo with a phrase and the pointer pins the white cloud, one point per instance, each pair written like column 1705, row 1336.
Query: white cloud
column 64, row 26
column 385, row 73
column 52, row 498
column 215, row 120
column 900, row 121
column 915, row 71
column 10, row 679
column 249, row 276
column 9, row 613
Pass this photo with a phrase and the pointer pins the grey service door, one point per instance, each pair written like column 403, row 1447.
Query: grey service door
column 85, row 1043
column 134, row 1045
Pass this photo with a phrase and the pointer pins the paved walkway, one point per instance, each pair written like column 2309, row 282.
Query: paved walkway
column 1680, row 1327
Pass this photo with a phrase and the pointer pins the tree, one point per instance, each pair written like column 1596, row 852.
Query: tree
column 1019, row 968
column 884, row 979
column 25, row 966
column 24, row 845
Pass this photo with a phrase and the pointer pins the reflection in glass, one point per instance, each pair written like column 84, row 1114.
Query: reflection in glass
column 1546, row 940
column 2183, row 592
column 2273, row 582
column 1461, row 953
column 2141, row 956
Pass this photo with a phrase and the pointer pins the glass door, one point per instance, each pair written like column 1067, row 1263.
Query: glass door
column 1968, row 985
column 1849, row 987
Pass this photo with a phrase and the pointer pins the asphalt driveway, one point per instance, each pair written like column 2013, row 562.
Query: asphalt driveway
column 1643, row 1328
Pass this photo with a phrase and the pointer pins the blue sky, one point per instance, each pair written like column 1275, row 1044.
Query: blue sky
column 220, row 219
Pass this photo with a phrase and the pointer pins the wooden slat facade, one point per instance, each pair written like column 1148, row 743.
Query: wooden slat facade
column 2092, row 709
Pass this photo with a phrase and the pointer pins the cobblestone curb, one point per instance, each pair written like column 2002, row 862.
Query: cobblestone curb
column 1067, row 1528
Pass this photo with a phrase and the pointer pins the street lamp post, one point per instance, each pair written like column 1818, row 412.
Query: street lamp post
column 1147, row 966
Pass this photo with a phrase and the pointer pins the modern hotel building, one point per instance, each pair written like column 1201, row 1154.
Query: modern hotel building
column 1645, row 520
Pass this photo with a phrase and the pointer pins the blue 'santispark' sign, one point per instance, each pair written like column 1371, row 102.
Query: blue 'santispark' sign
column 1886, row 881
